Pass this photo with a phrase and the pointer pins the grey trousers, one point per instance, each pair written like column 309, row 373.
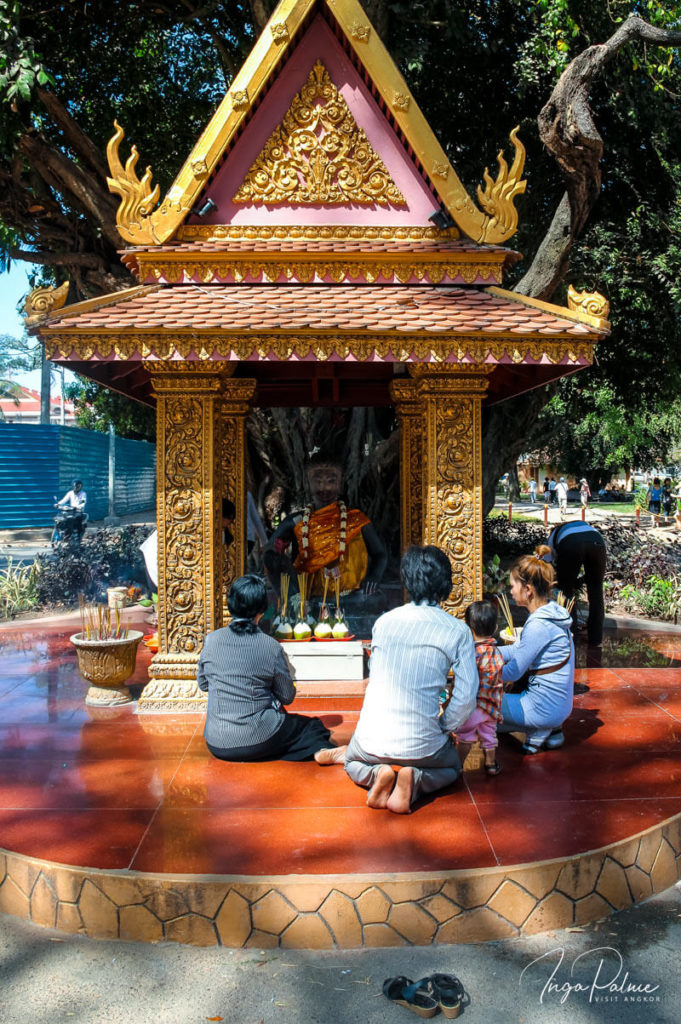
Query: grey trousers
column 430, row 773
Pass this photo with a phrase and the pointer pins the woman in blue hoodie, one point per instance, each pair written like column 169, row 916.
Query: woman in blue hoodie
column 545, row 652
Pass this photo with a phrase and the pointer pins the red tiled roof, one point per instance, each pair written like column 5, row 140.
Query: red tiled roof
column 271, row 308
column 329, row 246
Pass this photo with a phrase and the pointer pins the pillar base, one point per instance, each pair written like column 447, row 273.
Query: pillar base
column 172, row 686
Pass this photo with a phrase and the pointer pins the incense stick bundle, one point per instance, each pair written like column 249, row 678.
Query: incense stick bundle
column 302, row 588
column 564, row 602
column 337, row 585
column 506, row 609
column 326, row 587
column 284, row 585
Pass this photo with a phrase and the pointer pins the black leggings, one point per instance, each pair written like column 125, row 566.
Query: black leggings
column 298, row 739
column 584, row 549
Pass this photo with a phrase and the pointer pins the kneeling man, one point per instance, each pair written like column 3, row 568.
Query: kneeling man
column 402, row 748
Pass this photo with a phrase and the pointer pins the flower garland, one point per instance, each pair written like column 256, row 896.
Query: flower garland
column 305, row 529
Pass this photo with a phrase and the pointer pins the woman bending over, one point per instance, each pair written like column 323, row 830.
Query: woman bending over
column 545, row 651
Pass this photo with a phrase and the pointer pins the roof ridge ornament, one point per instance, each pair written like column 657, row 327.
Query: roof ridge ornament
column 42, row 302
column 591, row 305
column 137, row 196
column 497, row 199
column 318, row 154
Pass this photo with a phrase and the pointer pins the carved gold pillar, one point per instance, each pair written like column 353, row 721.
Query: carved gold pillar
column 190, row 558
column 452, row 498
column 235, row 407
column 409, row 410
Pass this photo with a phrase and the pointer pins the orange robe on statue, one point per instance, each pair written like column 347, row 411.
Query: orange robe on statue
column 324, row 547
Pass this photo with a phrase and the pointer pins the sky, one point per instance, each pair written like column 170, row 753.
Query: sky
column 14, row 285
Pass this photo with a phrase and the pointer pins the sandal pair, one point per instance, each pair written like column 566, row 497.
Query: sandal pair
column 425, row 997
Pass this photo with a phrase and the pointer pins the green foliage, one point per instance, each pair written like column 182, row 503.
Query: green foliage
column 18, row 589
column 657, row 597
column 96, row 407
column 495, row 579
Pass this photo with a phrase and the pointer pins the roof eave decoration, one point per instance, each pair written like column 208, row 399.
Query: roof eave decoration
column 42, row 302
column 139, row 224
column 592, row 307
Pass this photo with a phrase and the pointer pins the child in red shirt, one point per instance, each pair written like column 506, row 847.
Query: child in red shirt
column 481, row 617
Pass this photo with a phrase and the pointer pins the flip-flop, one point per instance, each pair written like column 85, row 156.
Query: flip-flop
column 410, row 994
column 449, row 993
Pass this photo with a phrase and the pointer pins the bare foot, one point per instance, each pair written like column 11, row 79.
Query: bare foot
column 331, row 755
column 400, row 798
column 379, row 794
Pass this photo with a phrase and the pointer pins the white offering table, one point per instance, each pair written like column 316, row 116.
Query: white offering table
column 326, row 659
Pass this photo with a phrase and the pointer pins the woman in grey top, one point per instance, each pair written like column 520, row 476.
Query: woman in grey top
column 248, row 680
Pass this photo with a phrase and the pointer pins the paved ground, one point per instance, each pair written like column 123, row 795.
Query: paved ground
column 46, row 978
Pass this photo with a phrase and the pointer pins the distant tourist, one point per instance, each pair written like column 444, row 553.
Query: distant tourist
column 654, row 497
column 584, row 492
column 562, row 495
column 668, row 503
column 552, row 489
column 547, row 490
column 533, row 491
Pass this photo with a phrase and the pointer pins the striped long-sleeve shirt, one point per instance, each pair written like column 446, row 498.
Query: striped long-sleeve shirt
column 248, row 679
column 412, row 650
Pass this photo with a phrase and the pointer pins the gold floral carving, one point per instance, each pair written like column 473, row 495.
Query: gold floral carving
column 593, row 304
column 361, row 347
column 440, row 170
column 280, row 32
column 452, row 509
column 409, row 409
column 319, row 155
column 137, row 196
column 401, row 101
column 361, row 232
column 199, row 168
column 497, row 200
column 240, row 100
column 275, row 269
column 360, row 31
column 42, row 302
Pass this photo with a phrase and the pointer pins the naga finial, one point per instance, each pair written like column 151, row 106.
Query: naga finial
column 137, row 196
column 497, row 200
column 590, row 304
column 42, row 302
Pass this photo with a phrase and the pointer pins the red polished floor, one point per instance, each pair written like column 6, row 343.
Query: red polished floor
column 110, row 789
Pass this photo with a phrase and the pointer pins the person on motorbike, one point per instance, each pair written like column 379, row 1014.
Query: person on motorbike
column 74, row 501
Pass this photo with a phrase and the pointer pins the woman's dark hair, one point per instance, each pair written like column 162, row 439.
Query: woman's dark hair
column 247, row 598
column 536, row 571
column 481, row 617
column 426, row 574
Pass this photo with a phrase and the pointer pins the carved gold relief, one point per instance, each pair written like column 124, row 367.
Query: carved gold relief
column 361, row 347
column 401, row 101
column 275, row 269
column 440, row 170
column 409, row 409
column 497, row 200
column 361, row 232
column 234, row 409
column 319, row 155
column 452, row 509
column 137, row 196
column 593, row 304
column 199, row 168
column 42, row 302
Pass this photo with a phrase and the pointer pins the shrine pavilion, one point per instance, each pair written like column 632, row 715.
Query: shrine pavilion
column 316, row 248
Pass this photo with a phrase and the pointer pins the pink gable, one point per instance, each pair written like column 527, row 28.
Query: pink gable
column 319, row 43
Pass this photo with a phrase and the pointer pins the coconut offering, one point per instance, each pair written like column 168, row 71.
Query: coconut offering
column 302, row 629
column 283, row 630
column 340, row 629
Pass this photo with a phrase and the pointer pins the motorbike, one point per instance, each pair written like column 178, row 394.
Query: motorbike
column 69, row 527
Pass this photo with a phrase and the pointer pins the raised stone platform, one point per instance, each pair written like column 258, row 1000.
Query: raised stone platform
column 116, row 825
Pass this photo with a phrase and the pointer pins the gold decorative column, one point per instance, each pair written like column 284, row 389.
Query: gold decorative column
column 190, row 559
column 235, row 407
column 409, row 410
column 452, row 499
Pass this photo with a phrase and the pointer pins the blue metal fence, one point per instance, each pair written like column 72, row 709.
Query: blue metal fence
column 38, row 462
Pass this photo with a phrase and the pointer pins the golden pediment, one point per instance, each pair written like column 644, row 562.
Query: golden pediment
column 319, row 154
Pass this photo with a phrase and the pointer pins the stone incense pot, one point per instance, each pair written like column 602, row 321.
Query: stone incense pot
column 107, row 664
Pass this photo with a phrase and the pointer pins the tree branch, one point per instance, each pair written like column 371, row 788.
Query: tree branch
column 77, row 259
column 73, row 133
column 568, row 130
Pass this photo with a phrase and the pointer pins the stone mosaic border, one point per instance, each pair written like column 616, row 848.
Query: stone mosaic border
column 343, row 912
